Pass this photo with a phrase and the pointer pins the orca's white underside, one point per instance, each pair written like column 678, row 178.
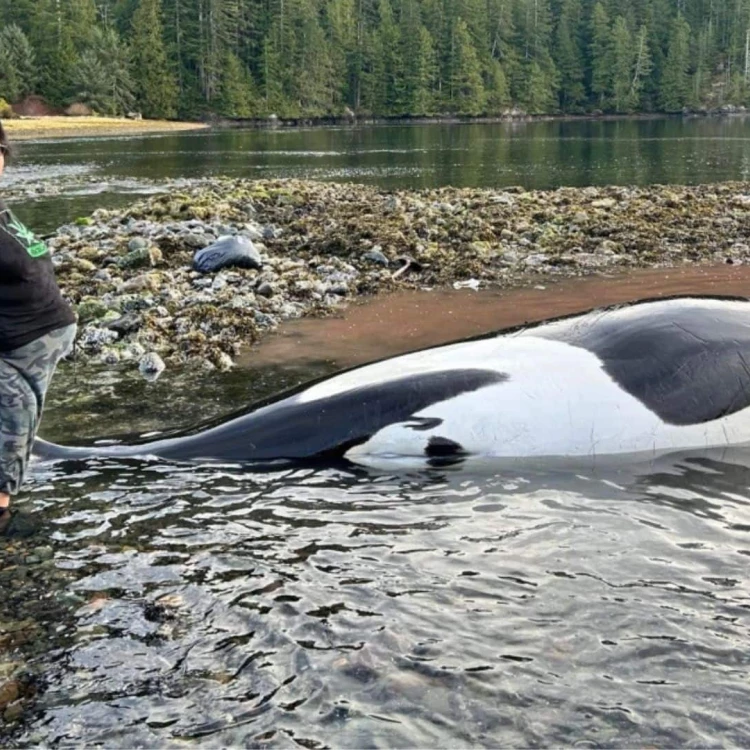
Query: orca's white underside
column 558, row 401
column 650, row 378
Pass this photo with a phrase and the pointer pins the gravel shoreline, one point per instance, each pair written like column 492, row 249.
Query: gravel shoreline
column 323, row 245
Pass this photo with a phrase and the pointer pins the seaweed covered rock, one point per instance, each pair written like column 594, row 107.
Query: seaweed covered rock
column 273, row 250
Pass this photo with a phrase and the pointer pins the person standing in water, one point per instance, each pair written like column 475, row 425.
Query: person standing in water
column 37, row 329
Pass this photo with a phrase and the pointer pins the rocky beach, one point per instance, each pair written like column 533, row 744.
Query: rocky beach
column 310, row 248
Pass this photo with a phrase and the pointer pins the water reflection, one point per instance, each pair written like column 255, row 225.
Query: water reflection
column 534, row 155
column 437, row 608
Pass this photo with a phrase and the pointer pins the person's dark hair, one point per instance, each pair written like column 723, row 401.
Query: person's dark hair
column 4, row 142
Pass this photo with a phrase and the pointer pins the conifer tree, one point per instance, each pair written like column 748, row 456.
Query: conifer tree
column 642, row 67
column 155, row 85
column 372, row 76
column 424, row 90
column 273, row 94
column 498, row 90
column 51, row 37
column 703, row 62
column 340, row 24
column 467, row 93
column 102, row 78
column 81, row 21
column 16, row 11
column 388, row 44
column 236, row 88
column 541, row 94
column 601, row 45
column 17, row 63
column 622, row 66
column 659, row 17
column 216, row 27
column 675, row 81
column 417, row 56
column 365, row 68
column 312, row 81
column 568, row 57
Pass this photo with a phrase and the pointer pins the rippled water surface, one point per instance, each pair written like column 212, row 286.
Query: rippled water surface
column 449, row 608
column 533, row 154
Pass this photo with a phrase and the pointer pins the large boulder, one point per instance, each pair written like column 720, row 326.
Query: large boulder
column 79, row 109
column 34, row 106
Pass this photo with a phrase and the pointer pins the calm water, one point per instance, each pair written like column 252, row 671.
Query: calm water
column 349, row 608
column 535, row 155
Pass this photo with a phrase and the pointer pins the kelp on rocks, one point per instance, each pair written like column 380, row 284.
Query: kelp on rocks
column 130, row 276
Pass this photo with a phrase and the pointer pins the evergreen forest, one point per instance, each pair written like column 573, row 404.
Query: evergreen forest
column 307, row 58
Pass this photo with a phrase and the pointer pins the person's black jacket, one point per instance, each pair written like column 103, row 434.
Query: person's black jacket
column 30, row 301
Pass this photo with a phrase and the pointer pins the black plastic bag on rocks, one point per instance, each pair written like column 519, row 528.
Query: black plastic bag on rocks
column 227, row 252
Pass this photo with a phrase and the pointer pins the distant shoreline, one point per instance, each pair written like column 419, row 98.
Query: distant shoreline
column 515, row 116
column 32, row 128
column 53, row 127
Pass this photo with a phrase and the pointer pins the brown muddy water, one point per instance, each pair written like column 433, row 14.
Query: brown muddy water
column 343, row 607
column 402, row 322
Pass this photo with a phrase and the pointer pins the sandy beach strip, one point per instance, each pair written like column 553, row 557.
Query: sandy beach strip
column 28, row 128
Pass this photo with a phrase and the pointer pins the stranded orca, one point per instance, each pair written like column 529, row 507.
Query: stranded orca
column 651, row 377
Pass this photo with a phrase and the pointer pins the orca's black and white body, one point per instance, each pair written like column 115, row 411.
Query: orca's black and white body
column 648, row 378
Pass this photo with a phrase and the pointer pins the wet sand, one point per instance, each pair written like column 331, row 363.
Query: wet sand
column 405, row 321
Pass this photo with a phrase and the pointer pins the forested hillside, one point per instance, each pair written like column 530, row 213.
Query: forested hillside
column 169, row 58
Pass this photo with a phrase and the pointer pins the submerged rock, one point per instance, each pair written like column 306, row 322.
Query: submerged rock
column 151, row 366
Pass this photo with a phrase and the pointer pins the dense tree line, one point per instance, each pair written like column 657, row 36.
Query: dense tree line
column 171, row 58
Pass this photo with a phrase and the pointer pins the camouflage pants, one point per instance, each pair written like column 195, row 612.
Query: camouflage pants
column 25, row 375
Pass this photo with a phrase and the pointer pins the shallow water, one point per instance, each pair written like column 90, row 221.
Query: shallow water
column 531, row 154
column 346, row 607
column 405, row 321
column 354, row 609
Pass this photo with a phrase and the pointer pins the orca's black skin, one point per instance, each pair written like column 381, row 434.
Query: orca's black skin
column 688, row 364
column 440, row 447
column 324, row 428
